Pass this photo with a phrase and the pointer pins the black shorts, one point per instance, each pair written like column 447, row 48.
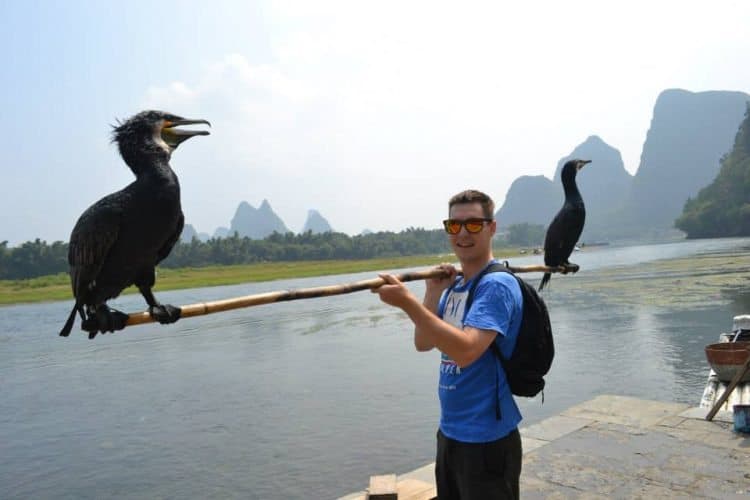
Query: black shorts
column 478, row 471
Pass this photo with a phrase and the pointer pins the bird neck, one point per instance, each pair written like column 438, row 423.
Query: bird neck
column 160, row 170
column 571, row 189
column 150, row 165
column 144, row 156
column 153, row 171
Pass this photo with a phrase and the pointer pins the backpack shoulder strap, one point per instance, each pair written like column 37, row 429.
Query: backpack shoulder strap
column 492, row 268
column 495, row 267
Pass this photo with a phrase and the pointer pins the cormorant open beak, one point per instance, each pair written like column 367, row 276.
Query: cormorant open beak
column 582, row 164
column 174, row 136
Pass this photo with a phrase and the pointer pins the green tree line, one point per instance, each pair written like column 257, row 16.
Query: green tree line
column 723, row 207
column 307, row 246
column 38, row 258
column 32, row 259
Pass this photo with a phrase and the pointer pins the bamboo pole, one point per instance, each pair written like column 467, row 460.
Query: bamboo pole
column 204, row 308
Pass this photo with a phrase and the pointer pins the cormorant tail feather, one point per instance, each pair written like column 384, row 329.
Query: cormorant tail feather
column 545, row 280
column 71, row 319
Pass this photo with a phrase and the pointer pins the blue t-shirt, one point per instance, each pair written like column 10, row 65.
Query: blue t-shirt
column 468, row 401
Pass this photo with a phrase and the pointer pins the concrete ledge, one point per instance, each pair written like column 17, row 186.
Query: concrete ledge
column 624, row 410
column 554, row 427
column 530, row 444
column 425, row 474
column 623, row 447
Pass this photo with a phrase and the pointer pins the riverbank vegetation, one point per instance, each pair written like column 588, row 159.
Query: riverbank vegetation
column 723, row 208
column 37, row 258
column 57, row 286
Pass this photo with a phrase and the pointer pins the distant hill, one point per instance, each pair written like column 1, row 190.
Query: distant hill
column 603, row 184
column 723, row 207
column 532, row 199
column 256, row 223
column 688, row 135
column 221, row 232
column 189, row 232
column 316, row 223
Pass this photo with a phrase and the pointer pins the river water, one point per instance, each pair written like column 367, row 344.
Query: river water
column 307, row 399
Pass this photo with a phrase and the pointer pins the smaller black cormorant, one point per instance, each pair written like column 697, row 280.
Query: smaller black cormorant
column 119, row 240
column 566, row 227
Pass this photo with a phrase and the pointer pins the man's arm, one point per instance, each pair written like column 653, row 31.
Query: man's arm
column 422, row 341
column 433, row 291
column 462, row 346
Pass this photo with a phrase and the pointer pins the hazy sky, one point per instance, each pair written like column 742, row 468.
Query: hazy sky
column 372, row 113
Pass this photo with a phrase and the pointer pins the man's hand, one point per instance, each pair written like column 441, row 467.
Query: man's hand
column 393, row 292
column 437, row 285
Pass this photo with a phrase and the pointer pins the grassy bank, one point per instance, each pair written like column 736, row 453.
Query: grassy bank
column 57, row 287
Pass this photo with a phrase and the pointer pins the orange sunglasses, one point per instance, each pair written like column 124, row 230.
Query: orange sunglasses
column 473, row 225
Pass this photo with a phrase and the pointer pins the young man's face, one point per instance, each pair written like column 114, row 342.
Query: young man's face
column 466, row 245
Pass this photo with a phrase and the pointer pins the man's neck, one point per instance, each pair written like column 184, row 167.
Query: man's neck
column 473, row 267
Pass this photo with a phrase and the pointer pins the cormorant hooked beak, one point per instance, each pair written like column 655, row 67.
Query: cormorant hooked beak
column 174, row 136
column 582, row 163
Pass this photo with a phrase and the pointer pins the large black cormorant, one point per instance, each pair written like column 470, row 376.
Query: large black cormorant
column 119, row 240
column 566, row 227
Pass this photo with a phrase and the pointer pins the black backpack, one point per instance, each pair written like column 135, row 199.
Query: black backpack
column 534, row 350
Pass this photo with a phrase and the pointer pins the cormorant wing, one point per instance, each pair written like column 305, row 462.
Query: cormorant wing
column 169, row 244
column 92, row 237
column 563, row 234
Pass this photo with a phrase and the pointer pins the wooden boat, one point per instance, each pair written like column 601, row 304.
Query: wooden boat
column 724, row 362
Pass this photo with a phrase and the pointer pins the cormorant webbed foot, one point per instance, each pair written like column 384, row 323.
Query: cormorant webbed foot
column 165, row 313
column 104, row 320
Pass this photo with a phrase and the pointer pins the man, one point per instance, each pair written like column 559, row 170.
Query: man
column 478, row 444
